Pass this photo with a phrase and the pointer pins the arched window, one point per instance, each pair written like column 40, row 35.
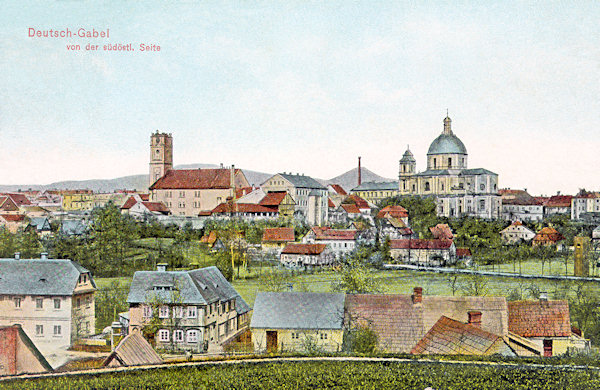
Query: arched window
column 450, row 163
column 427, row 186
column 434, row 162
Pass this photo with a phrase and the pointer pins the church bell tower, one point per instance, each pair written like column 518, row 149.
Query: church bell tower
column 161, row 155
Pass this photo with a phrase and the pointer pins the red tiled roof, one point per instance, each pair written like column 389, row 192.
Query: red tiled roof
column 241, row 208
column 394, row 211
column 327, row 233
column 358, row 201
column 181, row 179
column 441, row 230
column 517, row 223
column 330, row 203
column 281, row 234
column 304, row 249
column 548, row 234
column 351, row 208
column 239, row 192
column 129, row 203
column 7, row 204
column 420, row 244
column 463, row 252
column 400, row 323
column 145, row 197
column 539, row 318
column 451, row 337
column 13, row 217
column 158, row 207
column 204, row 213
column 559, row 201
column 19, row 199
column 273, row 198
column 338, row 189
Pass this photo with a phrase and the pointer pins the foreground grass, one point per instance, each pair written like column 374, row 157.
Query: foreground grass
column 327, row 374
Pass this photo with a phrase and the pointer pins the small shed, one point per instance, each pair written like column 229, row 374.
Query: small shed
column 133, row 350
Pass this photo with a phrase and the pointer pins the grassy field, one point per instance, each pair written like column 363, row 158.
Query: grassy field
column 327, row 374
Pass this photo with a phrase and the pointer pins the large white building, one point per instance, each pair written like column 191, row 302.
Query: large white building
column 52, row 300
column 459, row 191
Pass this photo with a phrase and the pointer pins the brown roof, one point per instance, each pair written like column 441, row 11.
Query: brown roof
column 7, row 204
column 441, row 230
column 350, row 208
column 19, row 199
column 281, row 234
column 451, row 337
column 420, row 244
column 133, row 350
column 327, row 233
column 548, row 234
column 330, row 203
column 158, row 207
column 394, row 211
column 559, row 201
column 13, row 217
column 129, row 203
column 273, row 198
column 463, row 252
column 358, row 201
column 400, row 323
column 338, row 189
column 539, row 318
column 145, row 197
column 181, row 179
column 224, row 208
column 210, row 238
column 304, row 249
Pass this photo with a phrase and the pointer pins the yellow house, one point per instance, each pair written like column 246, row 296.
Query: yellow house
column 77, row 200
column 297, row 321
column 282, row 201
column 376, row 192
column 277, row 238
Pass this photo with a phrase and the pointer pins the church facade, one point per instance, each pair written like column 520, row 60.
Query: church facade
column 458, row 190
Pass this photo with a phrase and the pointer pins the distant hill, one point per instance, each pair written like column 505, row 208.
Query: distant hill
column 347, row 180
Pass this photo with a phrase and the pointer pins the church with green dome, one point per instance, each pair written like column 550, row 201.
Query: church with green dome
column 459, row 191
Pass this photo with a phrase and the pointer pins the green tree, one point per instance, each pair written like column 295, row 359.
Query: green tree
column 356, row 278
column 29, row 244
column 8, row 243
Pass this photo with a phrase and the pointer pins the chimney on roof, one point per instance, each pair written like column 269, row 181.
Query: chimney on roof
column 359, row 172
column 232, row 179
column 17, row 255
column 161, row 267
column 44, row 255
column 417, row 296
column 475, row 318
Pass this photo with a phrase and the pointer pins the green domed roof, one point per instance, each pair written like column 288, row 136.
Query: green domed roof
column 447, row 144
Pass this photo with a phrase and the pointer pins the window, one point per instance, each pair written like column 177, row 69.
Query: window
column 178, row 312
column 197, row 194
column 163, row 335
column 482, row 187
column 450, row 162
column 57, row 303
column 147, row 311
column 57, row 330
column 482, row 205
column 78, row 302
column 88, row 301
column 426, row 186
column 192, row 312
column 182, row 194
column 39, row 330
column 323, row 336
column 295, row 336
column 178, row 335
column 39, row 303
column 192, row 336
column 17, row 303
column 163, row 312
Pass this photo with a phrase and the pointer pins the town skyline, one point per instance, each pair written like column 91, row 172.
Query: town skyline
column 265, row 87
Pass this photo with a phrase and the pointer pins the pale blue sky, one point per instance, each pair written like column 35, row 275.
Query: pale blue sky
column 304, row 87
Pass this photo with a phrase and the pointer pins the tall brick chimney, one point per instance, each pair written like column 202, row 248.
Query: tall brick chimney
column 417, row 296
column 359, row 172
column 475, row 318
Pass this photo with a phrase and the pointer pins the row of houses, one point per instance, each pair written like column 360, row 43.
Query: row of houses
column 417, row 324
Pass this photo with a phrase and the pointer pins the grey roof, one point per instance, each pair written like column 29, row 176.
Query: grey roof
column 133, row 350
column 434, row 172
column 408, row 157
column 447, row 144
column 301, row 181
column 197, row 287
column 477, row 171
column 298, row 310
column 39, row 277
column 40, row 223
column 372, row 186
column 72, row 227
